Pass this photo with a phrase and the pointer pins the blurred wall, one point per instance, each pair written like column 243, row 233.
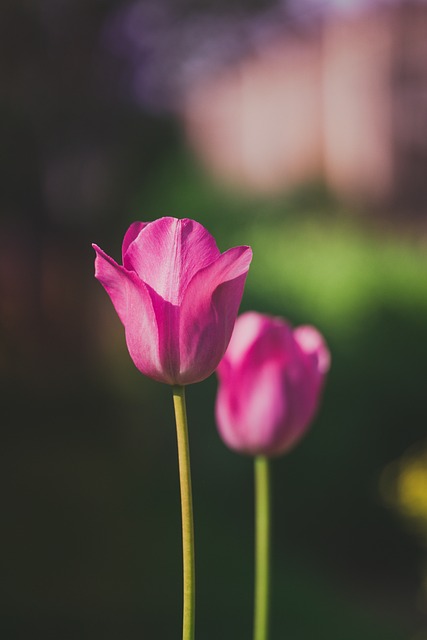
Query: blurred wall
column 341, row 100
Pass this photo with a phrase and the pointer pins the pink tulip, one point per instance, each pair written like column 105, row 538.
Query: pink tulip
column 176, row 295
column 270, row 382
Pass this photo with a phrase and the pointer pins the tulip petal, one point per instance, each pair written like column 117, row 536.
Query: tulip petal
column 251, row 325
column 167, row 253
column 255, row 386
column 208, row 313
column 294, row 378
column 113, row 278
column 131, row 234
column 250, row 419
column 312, row 343
column 254, row 329
column 132, row 301
column 167, row 321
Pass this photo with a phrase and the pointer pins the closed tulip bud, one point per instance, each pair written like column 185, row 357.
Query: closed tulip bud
column 176, row 295
column 270, row 383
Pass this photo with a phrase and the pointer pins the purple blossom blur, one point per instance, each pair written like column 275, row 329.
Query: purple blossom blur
column 167, row 48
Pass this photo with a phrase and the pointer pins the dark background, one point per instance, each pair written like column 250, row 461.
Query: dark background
column 90, row 533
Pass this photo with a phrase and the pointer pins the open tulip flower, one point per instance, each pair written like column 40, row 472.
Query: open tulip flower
column 270, row 382
column 176, row 295
column 178, row 298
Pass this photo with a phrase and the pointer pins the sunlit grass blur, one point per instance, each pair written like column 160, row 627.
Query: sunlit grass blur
column 335, row 272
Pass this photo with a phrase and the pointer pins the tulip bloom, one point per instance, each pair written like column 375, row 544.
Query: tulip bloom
column 270, row 382
column 176, row 295
column 178, row 298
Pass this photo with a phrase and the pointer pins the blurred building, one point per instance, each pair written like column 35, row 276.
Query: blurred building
column 258, row 125
column 343, row 100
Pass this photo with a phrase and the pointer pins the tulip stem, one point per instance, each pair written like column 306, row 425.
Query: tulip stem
column 188, row 622
column 262, row 547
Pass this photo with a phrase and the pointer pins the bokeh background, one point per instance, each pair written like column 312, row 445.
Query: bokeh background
column 299, row 127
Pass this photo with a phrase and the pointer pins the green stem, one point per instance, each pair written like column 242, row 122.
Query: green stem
column 188, row 621
column 262, row 547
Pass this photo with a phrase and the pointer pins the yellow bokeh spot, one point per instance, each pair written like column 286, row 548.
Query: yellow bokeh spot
column 403, row 485
column 412, row 488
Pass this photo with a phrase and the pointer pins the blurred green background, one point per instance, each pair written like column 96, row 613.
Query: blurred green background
column 90, row 533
